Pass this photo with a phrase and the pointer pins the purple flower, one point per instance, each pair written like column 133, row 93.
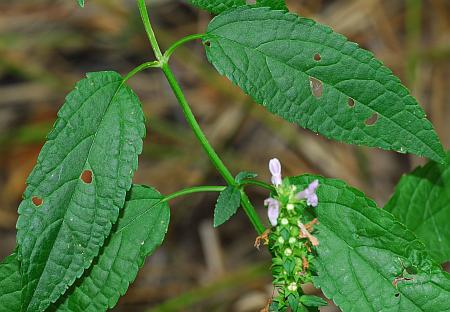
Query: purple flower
column 275, row 170
column 273, row 210
column 310, row 194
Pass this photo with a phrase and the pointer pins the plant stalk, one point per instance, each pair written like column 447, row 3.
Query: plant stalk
column 190, row 118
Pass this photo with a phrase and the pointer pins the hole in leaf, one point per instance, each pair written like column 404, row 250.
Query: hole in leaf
column 351, row 102
column 316, row 87
column 86, row 176
column 317, row 57
column 37, row 201
column 397, row 295
column 208, row 43
column 372, row 119
column 250, row 2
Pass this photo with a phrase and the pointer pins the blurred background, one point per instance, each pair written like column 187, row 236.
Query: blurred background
column 46, row 46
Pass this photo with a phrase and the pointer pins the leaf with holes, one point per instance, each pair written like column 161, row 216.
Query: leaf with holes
column 422, row 201
column 78, row 186
column 138, row 232
column 274, row 4
column 10, row 284
column 227, row 204
column 369, row 261
column 307, row 74
column 217, row 6
column 81, row 3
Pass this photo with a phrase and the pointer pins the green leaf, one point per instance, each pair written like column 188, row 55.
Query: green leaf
column 10, row 286
column 364, row 251
column 244, row 175
column 274, row 4
column 422, row 201
column 217, row 6
column 227, row 204
column 138, row 232
column 313, row 301
column 81, row 3
column 78, row 186
column 307, row 74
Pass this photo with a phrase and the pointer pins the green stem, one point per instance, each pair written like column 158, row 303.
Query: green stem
column 258, row 183
column 148, row 29
column 190, row 190
column 141, row 68
column 215, row 159
column 178, row 43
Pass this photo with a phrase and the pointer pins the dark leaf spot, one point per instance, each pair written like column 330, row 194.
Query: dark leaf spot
column 86, row 176
column 316, row 87
column 317, row 57
column 351, row 102
column 208, row 43
column 372, row 119
column 397, row 295
column 37, row 201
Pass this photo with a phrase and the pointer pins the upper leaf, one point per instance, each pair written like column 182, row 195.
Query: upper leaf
column 78, row 186
column 217, row 6
column 138, row 232
column 367, row 260
column 422, row 201
column 274, row 4
column 227, row 204
column 81, row 3
column 10, row 284
column 307, row 74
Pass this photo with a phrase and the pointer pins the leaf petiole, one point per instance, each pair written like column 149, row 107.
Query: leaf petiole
column 262, row 184
column 191, row 190
column 134, row 71
column 178, row 43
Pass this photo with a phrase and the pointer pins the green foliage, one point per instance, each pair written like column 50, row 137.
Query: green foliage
column 217, row 6
column 422, row 201
column 81, row 3
column 244, row 175
column 307, row 74
column 274, row 4
column 312, row 301
column 10, row 284
column 138, row 232
column 367, row 260
column 227, row 204
column 78, row 186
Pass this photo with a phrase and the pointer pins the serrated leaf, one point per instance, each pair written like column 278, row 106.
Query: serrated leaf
column 274, row 4
column 78, row 186
column 422, row 201
column 138, row 232
column 364, row 252
column 81, row 3
column 227, row 204
column 10, row 286
column 244, row 175
column 307, row 74
column 217, row 6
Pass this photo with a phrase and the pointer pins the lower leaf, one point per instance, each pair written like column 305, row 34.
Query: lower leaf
column 367, row 260
column 10, row 284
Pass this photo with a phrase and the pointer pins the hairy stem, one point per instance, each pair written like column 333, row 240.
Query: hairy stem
column 215, row 159
column 191, row 190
